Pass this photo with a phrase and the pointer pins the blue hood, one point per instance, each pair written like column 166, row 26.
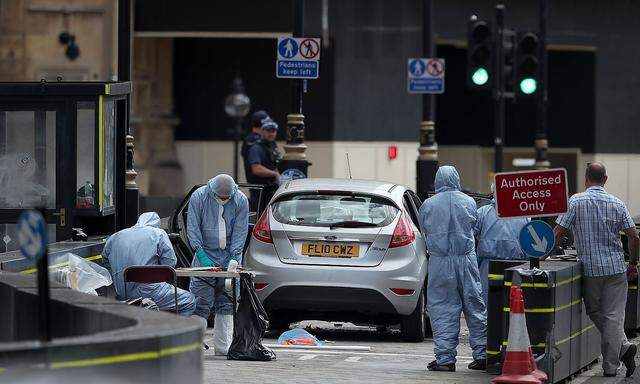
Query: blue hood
column 447, row 179
column 148, row 219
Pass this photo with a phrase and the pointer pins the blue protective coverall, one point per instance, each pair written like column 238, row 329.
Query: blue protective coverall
column 220, row 237
column 497, row 239
column 145, row 244
column 448, row 219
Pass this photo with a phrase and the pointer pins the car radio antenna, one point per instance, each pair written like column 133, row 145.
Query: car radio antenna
column 349, row 166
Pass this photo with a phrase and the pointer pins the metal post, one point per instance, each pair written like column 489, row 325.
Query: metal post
column 44, row 322
column 295, row 148
column 236, row 139
column 427, row 163
column 541, row 143
column 498, row 90
column 125, row 10
column 428, row 100
column 298, row 31
column 44, row 300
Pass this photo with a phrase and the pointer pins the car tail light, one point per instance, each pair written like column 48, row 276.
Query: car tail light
column 260, row 286
column 262, row 230
column 403, row 234
column 402, row 291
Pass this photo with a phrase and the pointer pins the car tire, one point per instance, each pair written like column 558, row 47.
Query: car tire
column 413, row 327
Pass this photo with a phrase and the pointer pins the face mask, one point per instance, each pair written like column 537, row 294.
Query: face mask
column 222, row 202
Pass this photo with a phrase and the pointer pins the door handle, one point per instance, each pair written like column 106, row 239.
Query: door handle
column 62, row 214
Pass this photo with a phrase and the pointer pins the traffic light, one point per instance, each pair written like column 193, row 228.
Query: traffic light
column 479, row 54
column 509, row 60
column 527, row 71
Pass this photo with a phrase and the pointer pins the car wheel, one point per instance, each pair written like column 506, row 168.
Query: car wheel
column 414, row 326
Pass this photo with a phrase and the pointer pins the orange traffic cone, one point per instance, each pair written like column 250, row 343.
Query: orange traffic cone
column 519, row 366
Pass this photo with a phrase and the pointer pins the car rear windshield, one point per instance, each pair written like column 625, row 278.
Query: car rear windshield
column 327, row 209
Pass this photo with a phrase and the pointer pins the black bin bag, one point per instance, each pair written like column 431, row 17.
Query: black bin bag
column 250, row 324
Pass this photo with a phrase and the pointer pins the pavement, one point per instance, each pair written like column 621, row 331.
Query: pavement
column 390, row 360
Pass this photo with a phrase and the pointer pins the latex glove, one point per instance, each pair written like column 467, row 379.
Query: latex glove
column 232, row 267
column 204, row 260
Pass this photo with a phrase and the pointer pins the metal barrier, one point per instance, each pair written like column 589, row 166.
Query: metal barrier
column 90, row 250
column 632, row 311
column 559, row 327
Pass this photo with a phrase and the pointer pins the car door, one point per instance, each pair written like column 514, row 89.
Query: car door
column 408, row 200
column 178, row 220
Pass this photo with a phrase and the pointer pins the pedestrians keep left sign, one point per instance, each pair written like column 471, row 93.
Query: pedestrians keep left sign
column 32, row 235
column 425, row 75
column 536, row 238
column 298, row 58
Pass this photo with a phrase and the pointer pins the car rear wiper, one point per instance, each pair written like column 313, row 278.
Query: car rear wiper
column 352, row 224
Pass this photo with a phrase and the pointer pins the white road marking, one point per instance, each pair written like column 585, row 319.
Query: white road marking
column 372, row 354
column 307, row 357
column 353, row 359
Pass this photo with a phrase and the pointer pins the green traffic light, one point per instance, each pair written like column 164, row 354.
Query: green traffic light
column 528, row 86
column 480, row 76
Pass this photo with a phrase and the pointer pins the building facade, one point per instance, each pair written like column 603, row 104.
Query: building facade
column 186, row 55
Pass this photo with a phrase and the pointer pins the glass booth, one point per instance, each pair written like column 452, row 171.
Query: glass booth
column 62, row 147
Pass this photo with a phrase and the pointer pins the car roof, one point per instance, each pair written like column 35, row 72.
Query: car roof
column 382, row 188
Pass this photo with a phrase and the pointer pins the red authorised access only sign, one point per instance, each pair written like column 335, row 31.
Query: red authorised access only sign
column 531, row 193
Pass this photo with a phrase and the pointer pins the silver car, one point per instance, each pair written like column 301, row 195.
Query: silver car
column 342, row 250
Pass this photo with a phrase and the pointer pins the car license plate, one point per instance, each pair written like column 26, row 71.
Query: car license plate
column 330, row 250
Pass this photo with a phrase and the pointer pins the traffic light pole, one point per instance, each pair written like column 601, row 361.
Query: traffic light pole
column 498, row 90
column 541, row 143
column 295, row 148
column 427, row 163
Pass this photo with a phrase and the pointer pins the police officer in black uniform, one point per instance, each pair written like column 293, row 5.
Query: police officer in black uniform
column 265, row 155
column 251, row 139
column 263, row 158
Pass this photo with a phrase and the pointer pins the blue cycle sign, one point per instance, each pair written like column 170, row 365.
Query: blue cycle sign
column 536, row 239
column 32, row 235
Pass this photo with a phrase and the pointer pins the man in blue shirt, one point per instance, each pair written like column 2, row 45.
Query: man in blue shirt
column 596, row 218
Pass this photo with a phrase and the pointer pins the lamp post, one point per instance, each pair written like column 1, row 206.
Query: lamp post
column 295, row 149
column 237, row 105
column 427, row 163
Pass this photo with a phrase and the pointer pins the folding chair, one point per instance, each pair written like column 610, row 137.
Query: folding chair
column 149, row 274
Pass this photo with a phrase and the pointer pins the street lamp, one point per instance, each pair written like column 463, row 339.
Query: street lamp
column 237, row 105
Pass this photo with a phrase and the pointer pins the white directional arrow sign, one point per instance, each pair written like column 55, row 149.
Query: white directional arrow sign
column 538, row 245
column 536, row 238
